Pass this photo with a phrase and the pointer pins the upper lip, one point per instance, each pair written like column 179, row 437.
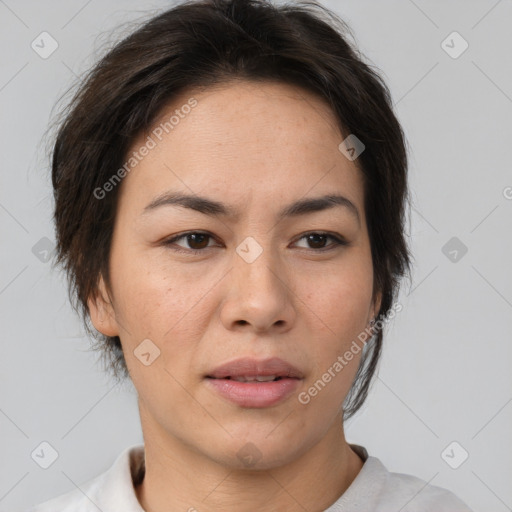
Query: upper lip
column 249, row 367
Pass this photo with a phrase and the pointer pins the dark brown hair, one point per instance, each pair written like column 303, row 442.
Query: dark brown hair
column 199, row 44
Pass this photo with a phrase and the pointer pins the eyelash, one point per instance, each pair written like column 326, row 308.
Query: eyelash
column 169, row 242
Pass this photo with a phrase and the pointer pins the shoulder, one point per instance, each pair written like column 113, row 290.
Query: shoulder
column 112, row 490
column 417, row 495
column 76, row 500
column 377, row 489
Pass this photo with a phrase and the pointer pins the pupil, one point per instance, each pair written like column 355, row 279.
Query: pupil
column 193, row 239
column 314, row 238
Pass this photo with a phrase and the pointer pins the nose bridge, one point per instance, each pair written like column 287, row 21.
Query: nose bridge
column 258, row 293
column 257, row 264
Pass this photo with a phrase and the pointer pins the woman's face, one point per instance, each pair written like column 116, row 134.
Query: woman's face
column 256, row 287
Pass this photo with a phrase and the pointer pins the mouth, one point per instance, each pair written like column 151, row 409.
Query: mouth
column 251, row 383
column 247, row 378
column 248, row 369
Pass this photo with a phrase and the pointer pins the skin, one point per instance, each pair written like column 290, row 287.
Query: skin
column 257, row 148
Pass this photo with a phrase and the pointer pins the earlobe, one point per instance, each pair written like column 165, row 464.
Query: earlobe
column 102, row 312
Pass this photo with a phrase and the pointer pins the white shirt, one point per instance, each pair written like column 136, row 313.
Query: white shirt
column 374, row 489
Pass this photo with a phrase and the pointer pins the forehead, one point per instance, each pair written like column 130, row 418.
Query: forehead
column 269, row 140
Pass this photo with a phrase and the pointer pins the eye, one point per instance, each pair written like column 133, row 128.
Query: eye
column 318, row 239
column 198, row 241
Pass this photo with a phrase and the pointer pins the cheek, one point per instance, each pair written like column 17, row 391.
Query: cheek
column 155, row 300
column 340, row 298
column 146, row 299
column 341, row 308
column 337, row 306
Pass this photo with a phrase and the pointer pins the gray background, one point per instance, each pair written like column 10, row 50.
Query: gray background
column 445, row 373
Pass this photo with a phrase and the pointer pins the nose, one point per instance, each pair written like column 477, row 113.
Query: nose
column 258, row 295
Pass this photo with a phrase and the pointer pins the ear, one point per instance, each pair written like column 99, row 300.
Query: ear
column 102, row 312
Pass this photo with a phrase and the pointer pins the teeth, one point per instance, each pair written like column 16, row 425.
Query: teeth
column 259, row 378
column 266, row 378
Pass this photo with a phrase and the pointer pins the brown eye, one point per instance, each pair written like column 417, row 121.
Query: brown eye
column 196, row 241
column 317, row 241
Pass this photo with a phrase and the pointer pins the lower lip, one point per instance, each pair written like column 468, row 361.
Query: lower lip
column 254, row 394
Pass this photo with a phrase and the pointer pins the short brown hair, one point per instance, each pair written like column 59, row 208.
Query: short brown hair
column 199, row 44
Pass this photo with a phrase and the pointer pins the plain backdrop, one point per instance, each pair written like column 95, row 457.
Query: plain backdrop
column 445, row 373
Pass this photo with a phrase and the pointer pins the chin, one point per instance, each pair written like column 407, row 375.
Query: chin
column 259, row 452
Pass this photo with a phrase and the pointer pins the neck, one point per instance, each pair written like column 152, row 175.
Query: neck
column 178, row 478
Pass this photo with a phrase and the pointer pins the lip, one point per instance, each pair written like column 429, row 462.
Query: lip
column 249, row 367
column 254, row 394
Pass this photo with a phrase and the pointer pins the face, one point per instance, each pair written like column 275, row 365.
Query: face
column 206, row 285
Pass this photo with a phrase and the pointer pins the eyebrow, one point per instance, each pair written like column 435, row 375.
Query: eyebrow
column 213, row 208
